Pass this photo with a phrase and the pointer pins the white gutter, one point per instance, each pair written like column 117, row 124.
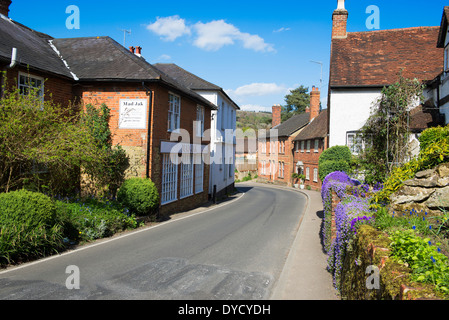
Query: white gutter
column 13, row 58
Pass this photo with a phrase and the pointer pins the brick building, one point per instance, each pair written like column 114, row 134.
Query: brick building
column 150, row 111
column 311, row 142
column 275, row 155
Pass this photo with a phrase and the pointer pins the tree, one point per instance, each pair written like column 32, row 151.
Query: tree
column 296, row 102
column 386, row 132
column 42, row 145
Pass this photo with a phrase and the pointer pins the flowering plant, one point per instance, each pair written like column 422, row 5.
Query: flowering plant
column 349, row 214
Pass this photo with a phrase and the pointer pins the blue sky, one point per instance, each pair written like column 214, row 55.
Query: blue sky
column 255, row 50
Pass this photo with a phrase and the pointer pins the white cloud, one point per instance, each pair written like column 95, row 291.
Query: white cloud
column 281, row 30
column 164, row 57
column 210, row 36
column 170, row 28
column 256, row 108
column 258, row 89
column 213, row 35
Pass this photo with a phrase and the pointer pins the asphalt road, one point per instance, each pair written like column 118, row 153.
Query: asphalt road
column 235, row 251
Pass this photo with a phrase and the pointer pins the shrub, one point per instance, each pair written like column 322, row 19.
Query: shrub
column 42, row 145
column 337, row 158
column 28, row 226
column 24, row 206
column 139, row 195
column 433, row 153
column 91, row 219
column 349, row 213
column 433, row 135
column 428, row 264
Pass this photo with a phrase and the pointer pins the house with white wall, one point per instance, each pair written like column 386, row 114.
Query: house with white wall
column 223, row 127
column 363, row 63
column 439, row 87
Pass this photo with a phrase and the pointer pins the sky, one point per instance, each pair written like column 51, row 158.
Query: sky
column 257, row 51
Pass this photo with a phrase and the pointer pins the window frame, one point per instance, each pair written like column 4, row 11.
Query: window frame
column 27, row 84
column 174, row 116
column 200, row 110
column 187, row 176
column 169, row 189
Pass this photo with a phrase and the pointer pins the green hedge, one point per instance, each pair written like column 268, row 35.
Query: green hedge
column 139, row 195
column 28, row 226
column 337, row 158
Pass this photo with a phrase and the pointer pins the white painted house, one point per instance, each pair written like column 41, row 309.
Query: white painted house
column 362, row 63
column 222, row 147
column 440, row 85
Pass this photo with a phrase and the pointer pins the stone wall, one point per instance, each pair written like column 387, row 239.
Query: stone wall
column 370, row 250
column 427, row 192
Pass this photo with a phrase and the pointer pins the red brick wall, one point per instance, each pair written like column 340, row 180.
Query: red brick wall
column 310, row 160
column 135, row 141
column 57, row 89
column 279, row 156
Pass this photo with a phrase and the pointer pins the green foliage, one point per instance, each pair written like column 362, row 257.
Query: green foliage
column 434, row 136
column 386, row 132
column 28, row 226
column 427, row 263
column 109, row 169
column 296, row 102
column 337, row 158
column 24, row 206
column 247, row 120
column 139, row 195
column 91, row 219
column 435, row 150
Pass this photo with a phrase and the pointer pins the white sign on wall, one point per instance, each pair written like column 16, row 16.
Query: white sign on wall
column 133, row 114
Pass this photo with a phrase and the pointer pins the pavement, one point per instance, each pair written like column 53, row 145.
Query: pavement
column 304, row 276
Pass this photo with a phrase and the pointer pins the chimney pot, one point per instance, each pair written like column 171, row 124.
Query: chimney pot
column 138, row 50
column 132, row 49
column 4, row 7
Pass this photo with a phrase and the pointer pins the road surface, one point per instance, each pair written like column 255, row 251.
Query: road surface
column 234, row 251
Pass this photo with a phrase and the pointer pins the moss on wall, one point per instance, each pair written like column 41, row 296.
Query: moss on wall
column 370, row 247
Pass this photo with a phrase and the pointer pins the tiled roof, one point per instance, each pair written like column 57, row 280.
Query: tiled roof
column 104, row 59
column 375, row 58
column 33, row 48
column 189, row 80
column 290, row 126
column 318, row 128
column 424, row 117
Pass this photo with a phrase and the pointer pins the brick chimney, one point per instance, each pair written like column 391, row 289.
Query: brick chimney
column 315, row 99
column 340, row 21
column 4, row 7
column 277, row 118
